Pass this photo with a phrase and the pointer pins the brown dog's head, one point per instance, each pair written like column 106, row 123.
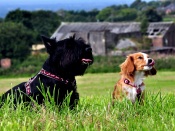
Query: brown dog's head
column 138, row 62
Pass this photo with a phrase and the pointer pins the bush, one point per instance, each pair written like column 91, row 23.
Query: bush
column 29, row 67
column 165, row 64
column 102, row 64
column 16, row 40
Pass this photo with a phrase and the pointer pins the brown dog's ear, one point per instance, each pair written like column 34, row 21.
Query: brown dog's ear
column 153, row 71
column 127, row 67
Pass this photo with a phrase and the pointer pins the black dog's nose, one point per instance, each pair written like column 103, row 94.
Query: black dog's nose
column 88, row 49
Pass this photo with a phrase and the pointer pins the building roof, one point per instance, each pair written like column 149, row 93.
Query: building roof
column 126, row 28
column 117, row 28
column 157, row 28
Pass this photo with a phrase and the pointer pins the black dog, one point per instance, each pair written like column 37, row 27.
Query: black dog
column 67, row 58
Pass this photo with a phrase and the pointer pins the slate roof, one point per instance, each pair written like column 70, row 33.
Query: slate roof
column 117, row 28
column 157, row 28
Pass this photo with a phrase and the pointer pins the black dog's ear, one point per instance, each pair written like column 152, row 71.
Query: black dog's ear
column 70, row 42
column 49, row 43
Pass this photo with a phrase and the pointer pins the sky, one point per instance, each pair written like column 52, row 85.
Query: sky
column 27, row 2
column 54, row 5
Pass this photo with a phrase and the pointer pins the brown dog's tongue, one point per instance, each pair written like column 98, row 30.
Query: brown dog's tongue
column 152, row 63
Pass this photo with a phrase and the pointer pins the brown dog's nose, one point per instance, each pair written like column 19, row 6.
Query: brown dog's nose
column 151, row 62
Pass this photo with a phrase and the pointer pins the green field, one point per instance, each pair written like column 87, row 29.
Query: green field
column 95, row 113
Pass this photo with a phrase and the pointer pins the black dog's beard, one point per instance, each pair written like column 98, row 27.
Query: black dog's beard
column 73, row 67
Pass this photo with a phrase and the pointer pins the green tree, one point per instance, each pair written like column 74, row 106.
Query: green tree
column 144, row 25
column 1, row 20
column 139, row 4
column 39, row 22
column 152, row 15
column 127, row 14
column 44, row 22
column 20, row 16
column 154, row 4
column 15, row 40
column 78, row 16
column 119, row 7
column 104, row 14
column 117, row 13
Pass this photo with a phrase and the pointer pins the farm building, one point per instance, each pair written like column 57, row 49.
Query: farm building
column 105, row 37
column 162, row 34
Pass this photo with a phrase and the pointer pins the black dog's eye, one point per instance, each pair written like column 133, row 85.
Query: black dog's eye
column 140, row 57
column 88, row 49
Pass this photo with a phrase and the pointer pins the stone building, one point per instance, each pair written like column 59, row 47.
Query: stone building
column 162, row 34
column 106, row 37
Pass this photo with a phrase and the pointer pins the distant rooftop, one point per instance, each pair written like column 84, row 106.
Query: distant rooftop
column 158, row 28
column 155, row 28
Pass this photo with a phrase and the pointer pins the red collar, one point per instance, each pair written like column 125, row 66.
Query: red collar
column 138, row 89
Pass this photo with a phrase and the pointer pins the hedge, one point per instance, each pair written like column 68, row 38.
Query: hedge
column 102, row 64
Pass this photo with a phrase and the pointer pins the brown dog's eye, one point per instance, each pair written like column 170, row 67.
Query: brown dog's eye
column 140, row 57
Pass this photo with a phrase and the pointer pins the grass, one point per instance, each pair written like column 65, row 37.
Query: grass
column 95, row 113
column 169, row 18
column 102, row 84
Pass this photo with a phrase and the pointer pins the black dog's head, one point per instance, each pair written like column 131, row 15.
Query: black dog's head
column 69, row 57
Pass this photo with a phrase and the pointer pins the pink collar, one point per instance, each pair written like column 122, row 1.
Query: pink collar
column 138, row 89
column 47, row 74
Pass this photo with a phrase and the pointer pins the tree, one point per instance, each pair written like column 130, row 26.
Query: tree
column 15, row 40
column 78, row 16
column 127, row 14
column 155, row 4
column 138, row 4
column 119, row 7
column 105, row 14
column 144, row 25
column 117, row 13
column 44, row 22
column 20, row 16
column 152, row 15
column 1, row 20
column 39, row 22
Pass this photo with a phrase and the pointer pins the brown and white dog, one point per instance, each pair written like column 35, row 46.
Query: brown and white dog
column 133, row 71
